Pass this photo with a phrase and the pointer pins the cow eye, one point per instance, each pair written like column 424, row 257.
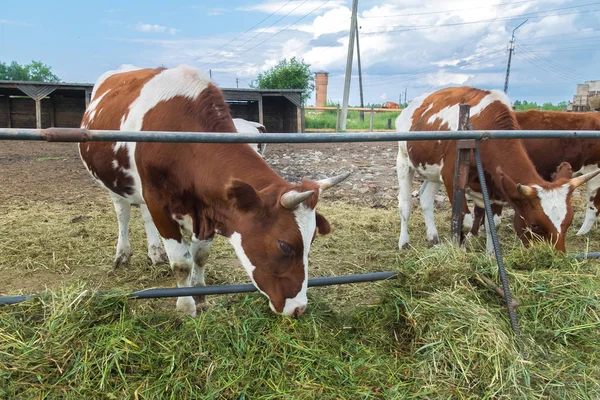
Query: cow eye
column 286, row 248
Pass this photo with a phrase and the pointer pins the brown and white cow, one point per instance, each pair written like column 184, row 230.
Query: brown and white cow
column 391, row 105
column 583, row 155
column 544, row 207
column 201, row 188
column 244, row 126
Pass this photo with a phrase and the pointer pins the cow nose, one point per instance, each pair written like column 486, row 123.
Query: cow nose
column 299, row 311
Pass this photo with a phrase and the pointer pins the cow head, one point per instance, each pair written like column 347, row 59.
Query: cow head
column 272, row 234
column 543, row 212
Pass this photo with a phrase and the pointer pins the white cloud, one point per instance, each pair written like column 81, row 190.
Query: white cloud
column 10, row 22
column 141, row 27
column 212, row 12
column 396, row 50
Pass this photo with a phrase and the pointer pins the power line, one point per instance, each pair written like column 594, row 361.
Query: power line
column 449, row 11
column 549, row 62
column 270, row 26
column 480, row 57
column 434, row 70
column 548, row 67
column 254, row 26
column 533, row 15
column 278, row 32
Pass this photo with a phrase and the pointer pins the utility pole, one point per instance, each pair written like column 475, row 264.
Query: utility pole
column 362, row 104
column 210, row 73
column 349, row 66
column 237, row 83
column 511, row 49
column 405, row 92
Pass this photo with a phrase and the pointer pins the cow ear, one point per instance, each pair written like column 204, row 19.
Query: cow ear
column 246, row 198
column 507, row 186
column 323, row 225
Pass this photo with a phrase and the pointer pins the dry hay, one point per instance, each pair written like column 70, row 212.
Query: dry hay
column 436, row 332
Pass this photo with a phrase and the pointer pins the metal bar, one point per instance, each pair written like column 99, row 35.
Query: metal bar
column 226, row 289
column 371, row 117
column 512, row 312
column 84, row 135
column 337, row 119
column 461, row 175
column 592, row 254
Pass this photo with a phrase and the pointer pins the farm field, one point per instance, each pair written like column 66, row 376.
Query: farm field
column 436, row 332
column 326, row 120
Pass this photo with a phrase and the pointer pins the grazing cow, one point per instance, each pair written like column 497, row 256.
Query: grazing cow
column 244, row 126
column 544, row 207
column 391, row 105
column 546, row 154
column 200, row 188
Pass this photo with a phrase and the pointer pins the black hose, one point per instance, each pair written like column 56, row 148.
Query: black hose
column 226, row 289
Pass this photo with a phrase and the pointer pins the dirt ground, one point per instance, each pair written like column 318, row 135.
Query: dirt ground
column 53, row 171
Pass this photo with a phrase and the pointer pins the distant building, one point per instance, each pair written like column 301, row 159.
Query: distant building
column 587, row 97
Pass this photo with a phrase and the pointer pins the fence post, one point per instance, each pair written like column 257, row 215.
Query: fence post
column 371, row 120
column 461, row 174
column 337, row 119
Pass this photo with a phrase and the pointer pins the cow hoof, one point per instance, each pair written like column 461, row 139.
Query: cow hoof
column 201, row 305
column 404, row 246
column 156, row 255
column 186, row 306
column 433, row 241
column 122, row 259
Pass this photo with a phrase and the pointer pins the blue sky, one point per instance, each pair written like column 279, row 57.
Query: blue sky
column 420, row 45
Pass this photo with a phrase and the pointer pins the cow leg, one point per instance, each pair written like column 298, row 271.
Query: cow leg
column 200, row 250
column 405, row 177
column 592, row 205
column 178, row 250
column 156, row 254
column 181, row 264
column 478, row 220
column 123, row 210
column 427, row 199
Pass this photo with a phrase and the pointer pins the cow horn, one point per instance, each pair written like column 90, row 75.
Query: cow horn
column 326, row 183
column 292, row 199
column 525, row 190
column 580, row 180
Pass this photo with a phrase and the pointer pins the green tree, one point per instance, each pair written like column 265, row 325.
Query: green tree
column 292, row 74
column 34, row 71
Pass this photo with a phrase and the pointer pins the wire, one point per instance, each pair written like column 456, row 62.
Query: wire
column 549, row 62
column 449, row 11
column 425, row 73
column 278, row 32
column 567, row 77
column 254, row 26
column 408, row 28
column 259, row 33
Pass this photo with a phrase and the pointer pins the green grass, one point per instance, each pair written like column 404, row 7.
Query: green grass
column 436, row 332
column 326, row 120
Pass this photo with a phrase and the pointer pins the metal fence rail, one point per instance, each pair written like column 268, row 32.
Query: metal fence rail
column 84, row 135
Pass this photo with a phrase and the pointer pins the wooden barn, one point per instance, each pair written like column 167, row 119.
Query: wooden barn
column 44, row 105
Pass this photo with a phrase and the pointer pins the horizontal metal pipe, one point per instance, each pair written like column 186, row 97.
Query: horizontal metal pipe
column 226, row 289
column 84, row 135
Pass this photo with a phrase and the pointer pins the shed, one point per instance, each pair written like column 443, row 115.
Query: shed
column 26, row 104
